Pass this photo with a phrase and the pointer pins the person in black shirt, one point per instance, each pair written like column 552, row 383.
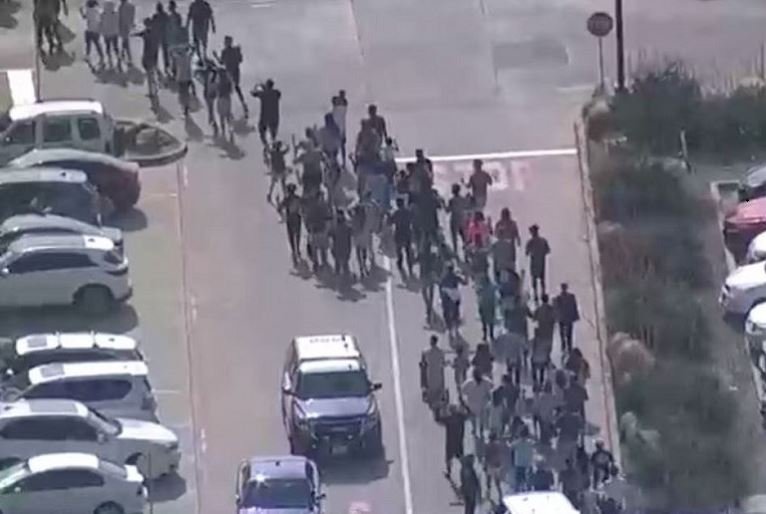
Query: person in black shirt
column 290, row 209
column 567, row 315
column 269, row 117
column 160, row 23
column 201, row 18
column 542, row 478
column 224, row 88
column 231, row 58
column 454, row 432
column 402, row 222
column 377, row 122
column 341, row 245
column 150, row 55
column 470, row 487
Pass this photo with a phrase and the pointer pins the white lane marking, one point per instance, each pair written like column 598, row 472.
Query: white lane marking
column 359, row 508
column 22, row 86
column 445, row 174
column 192, row 308
column 519, row 170
column 202, row 441
column 576, row 88
column 398, row 399
column 518, row 154
column 185, row 172
column 167, row 391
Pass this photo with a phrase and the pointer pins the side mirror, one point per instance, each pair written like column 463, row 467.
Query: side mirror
column 237, row 499
column 377, row 386
column 321, row 496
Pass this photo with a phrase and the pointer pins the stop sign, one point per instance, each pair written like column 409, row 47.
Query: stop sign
column 600, row 24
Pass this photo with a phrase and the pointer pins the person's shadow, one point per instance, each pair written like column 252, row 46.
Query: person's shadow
column 56, row 60
column 8, row 10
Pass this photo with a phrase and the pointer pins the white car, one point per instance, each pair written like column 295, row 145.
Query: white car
column 756, row 250
column 21, row 225
column 82, row 124
column 31, row 427
column 62, row 270
column 117, row 388
column 29, row 351
column 744, row 288
column 71, row 483
column 755, row 335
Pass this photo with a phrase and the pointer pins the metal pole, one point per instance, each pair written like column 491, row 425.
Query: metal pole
column 620, row 46
column 601, row 64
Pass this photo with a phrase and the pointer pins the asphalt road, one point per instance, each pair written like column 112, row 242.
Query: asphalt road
column 216, row 300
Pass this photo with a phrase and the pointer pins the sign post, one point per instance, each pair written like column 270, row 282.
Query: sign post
column 600, row 25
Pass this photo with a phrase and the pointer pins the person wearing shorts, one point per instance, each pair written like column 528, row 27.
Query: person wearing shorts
column 202, row 21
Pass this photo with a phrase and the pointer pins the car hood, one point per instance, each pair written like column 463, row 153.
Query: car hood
column 258, row 510
column 753, row 211
column 756, row 318
column 756, row 251
column 335, row 407
column 748, row 276
column 137, row 430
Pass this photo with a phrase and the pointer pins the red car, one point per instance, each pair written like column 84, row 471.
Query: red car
column 114, row 178
column 742, row 225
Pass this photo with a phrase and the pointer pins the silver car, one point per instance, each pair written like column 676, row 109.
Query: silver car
column 71, row 483
column 23, row 224
column 31, row 427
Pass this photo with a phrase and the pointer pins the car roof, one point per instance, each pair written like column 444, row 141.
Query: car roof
column 56, row 370
column 330, row 366
column 43, row 155
column 751, row 210
column 32, row 242
column 32, row 343
column 26, row 221
column 755, row 176
column 26, row 111
column 288, row 466
column 42, row 407
column 538, row 503
column 336, row 346
column 53, row 461
column 43, row 174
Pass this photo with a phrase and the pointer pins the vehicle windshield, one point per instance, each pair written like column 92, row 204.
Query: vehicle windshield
column 109, row 425
column 336, row 384
column 12, row 474
column 280, row 493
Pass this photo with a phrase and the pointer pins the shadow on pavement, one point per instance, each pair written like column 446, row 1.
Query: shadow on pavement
column 354, row 471
column 375, row 280
column 193, row 131
column 65, row 319
column 130, row 221
column 8, row 9
column 167, row 488
column 163, row 115
column 242, row 127
column 735, row 321
column 56, row 60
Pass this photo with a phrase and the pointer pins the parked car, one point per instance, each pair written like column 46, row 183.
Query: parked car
column 278, row 484
column 756, row 250
column 27, row 352
column 744, row 288
column 753, row 184
column 116, row 388
column 538, row 502
column 328, row 400
column 114, row 178
column 63, row 270
column 32, row 427
column 82, row 124
column 50, row 191
column 741, row 226
column 71, row 483
column 755, row 336
column 36, row 224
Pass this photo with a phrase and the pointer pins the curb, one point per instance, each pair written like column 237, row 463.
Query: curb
column 586, row 190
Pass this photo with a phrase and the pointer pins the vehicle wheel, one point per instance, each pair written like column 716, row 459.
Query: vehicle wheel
column 373, row 443
column 109, row 508
column 140, row 461
column 94, row 300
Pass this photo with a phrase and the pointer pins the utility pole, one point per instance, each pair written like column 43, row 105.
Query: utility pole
column 620, row 46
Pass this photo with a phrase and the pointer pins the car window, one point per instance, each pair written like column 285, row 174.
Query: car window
column 30, row 263
column 278, row 493
column 59, row 480
column 76, row 429
column 23, row 133
column 88, row 128
column 32, row 430
column 34, row 359
column 57, row 130
column 337, row 384
column 69, row 261
column 48, row 390
column 98, row 390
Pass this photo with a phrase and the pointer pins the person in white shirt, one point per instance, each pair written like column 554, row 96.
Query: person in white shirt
column 339, row 110
column 476, row 396
column 110, row 29
column 91, row 13
column 126, row 15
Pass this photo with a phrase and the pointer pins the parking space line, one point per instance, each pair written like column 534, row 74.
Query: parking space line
column 516, row 154
column 22, row 86
column 398, row 398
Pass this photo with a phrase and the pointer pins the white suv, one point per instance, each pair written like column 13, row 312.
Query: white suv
column 744, row 288
column 71, row 483
column 39, row 270
column 28, row 428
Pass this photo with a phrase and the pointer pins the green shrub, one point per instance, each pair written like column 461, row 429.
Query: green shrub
column 666, row 316
column 659, row 104
column 634, row 189
column 733, row 122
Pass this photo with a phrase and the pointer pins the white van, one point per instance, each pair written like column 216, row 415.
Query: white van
column 81, row 124
column 118, row 388
column 543, row 502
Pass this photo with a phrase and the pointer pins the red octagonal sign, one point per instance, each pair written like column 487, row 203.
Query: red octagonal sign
column 600, row 24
